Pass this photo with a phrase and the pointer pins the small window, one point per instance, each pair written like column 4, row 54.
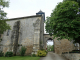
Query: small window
column 8, row 32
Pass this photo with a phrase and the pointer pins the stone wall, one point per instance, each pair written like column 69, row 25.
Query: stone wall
column 46, row 37
column 29, row 34
column 63, row 45
column 60, row 46
column 72, row 56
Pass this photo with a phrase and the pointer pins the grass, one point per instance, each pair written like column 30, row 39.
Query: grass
column 19, row 58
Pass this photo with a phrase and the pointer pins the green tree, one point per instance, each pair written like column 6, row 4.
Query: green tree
column 76, row 40
column 64, row 21
column 75, row 1
column 50, row 47
column 3, row 25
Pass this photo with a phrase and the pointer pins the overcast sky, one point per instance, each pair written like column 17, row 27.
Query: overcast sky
column 50, row 43
column 21, row 8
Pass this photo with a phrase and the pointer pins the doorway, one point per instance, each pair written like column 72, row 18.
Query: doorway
column 50, row 45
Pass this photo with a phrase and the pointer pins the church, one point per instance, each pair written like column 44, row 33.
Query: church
column 25, row 31
column 29, row 32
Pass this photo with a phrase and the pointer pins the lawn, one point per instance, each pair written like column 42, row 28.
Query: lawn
column 19, row 58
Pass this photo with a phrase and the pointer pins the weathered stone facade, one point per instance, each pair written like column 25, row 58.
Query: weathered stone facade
column 25, row 31
column 60, row 46
column 72, row 56
column 29, row 32
column 63, row 45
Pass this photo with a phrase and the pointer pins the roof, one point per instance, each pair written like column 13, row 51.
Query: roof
column 25, row 17
column 40, row 11
column 46, row 34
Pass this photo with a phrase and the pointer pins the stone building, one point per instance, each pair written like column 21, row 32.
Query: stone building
column 60, row 46
column 29, row 32
column 25, row 31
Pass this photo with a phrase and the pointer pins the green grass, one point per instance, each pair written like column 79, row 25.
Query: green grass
column 19, row 58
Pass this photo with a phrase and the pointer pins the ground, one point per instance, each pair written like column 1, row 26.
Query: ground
column 53, row 56
column 19, row 58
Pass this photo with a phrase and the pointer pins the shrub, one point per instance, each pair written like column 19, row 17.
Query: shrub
column 33, row 55
column 1, row 54
column 41, row 53
column 22, row 52
column 8, row 54
column 44, row 51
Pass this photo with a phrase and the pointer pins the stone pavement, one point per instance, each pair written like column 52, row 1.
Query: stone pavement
column 53, row 56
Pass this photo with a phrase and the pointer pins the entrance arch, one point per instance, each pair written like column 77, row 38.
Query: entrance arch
column 46, row 38
column 50, row 45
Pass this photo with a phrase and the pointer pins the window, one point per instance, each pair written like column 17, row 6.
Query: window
column 8, row 32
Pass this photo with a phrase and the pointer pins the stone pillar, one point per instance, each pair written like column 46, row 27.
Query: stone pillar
column 36, row 36
column 45, row 42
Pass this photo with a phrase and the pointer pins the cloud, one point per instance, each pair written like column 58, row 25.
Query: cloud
column 20, row 8
column 50, row 43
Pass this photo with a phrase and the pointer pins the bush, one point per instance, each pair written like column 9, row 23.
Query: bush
column 8, row 54
column 1, row 54
column 41, row 53
column 33, row 55
column 22, row 52
column 44, row 51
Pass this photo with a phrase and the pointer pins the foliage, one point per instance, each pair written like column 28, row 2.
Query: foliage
column 23, row 49
column 44, row 50
column 41, row 53
column 1, row 54
column 63, row 22
column 8, row 54
column 19, row 58
column 76, row 40
column 50, row 47
column 3, row 25
column 74, row 0
column 34, row 55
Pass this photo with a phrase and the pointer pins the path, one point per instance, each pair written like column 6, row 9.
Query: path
column 53, row 56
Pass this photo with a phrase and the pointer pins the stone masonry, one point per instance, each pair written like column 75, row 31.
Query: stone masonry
column 60, row 46
column 28, row 34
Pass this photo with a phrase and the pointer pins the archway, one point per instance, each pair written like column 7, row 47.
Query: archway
column 48, row 38
column 50, row 44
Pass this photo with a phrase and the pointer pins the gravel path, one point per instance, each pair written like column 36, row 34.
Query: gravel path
column 53, row 56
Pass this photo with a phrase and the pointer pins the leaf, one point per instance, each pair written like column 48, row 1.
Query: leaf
column 63, row 21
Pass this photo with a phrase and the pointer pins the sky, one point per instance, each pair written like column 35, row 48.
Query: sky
column 22, row 8
column 50, row 43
